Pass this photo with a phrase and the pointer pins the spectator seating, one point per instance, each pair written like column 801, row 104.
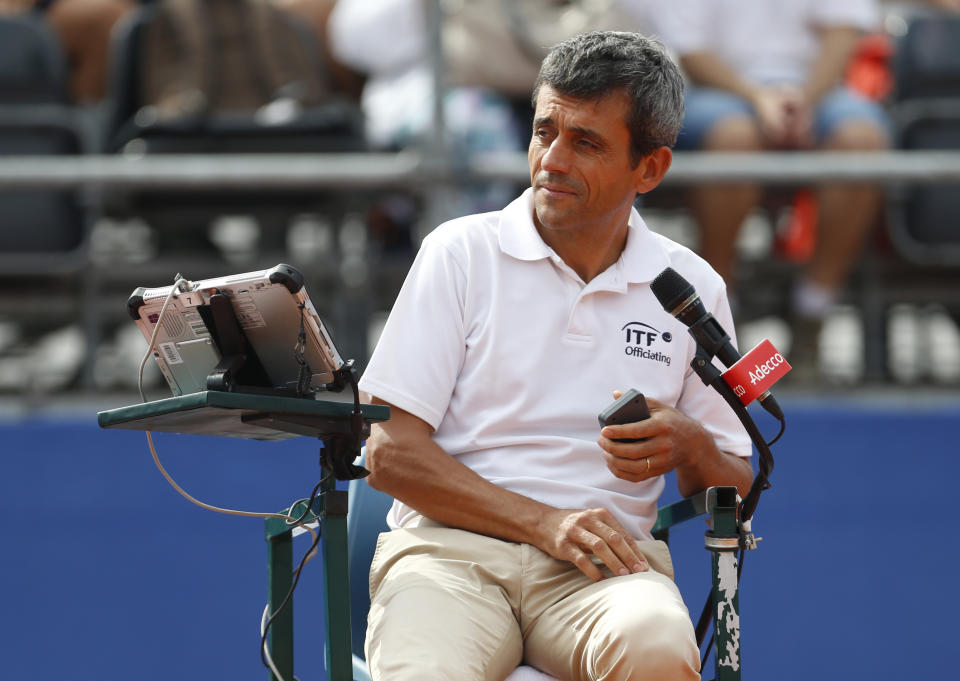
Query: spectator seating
column 44, row 230
column 926, row 113
column 132, row 127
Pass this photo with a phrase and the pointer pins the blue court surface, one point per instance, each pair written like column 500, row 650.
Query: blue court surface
column 110, row 574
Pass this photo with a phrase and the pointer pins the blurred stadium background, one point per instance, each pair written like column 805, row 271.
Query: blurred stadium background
column 111, row 574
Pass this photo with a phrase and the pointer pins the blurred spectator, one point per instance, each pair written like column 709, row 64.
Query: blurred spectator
column 83, row 27
column 897, row 6
column 226, row 76
column 205, row 56
column 316, row 13
column 490, row 47
column 953, row 5
column 492, row 52
column 768, row 74
column 14, row 6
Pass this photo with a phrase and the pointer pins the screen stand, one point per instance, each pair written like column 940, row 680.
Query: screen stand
column 239, row 369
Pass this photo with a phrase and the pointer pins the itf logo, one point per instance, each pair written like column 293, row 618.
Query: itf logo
column 643, row 342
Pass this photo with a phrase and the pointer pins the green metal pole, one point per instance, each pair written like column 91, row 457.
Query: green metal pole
column 280, row 576
column 723, row 541
column 333, row 526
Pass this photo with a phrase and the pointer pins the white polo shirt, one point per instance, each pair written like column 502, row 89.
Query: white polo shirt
column 501, row 347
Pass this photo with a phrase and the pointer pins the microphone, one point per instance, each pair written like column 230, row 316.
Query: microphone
column 679, row 298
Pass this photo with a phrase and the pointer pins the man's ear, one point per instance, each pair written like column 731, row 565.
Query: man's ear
column 652, row 168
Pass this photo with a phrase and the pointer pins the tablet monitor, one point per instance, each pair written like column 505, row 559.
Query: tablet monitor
column 250, row 332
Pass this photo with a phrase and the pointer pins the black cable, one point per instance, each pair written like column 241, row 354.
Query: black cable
column 747, row 507
column 356, row 418
column 356, row 421
column 286, row 599
column 706, row 653
column 706, row 616
column 309, row 500
column 341, row 451
column 296, row 573
column 304, row 373
column 783, row 427
column 761, row 481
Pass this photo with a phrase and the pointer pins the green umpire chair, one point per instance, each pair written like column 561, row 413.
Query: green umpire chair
column 366, row 519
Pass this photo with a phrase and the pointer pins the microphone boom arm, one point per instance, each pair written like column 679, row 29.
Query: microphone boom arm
column 704, row 367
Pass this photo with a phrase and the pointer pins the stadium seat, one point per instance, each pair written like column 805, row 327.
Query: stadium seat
column 44, row 230
column 926, row 115
column 927, row 57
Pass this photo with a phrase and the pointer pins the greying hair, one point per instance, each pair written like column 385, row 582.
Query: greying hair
column 596, row 64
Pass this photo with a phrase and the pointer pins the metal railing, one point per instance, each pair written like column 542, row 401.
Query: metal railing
column 414, row 169
column 434, row 177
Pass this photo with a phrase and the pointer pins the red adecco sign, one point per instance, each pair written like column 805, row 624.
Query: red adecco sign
column 756, row 372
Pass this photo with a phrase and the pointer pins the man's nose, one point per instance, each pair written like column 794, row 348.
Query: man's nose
column 556, row 158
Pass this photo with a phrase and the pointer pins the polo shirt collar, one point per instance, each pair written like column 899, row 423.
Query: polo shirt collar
column 643, row 258
column 519, row 237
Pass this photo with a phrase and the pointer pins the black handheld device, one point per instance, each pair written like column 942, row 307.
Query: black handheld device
column 628, row 408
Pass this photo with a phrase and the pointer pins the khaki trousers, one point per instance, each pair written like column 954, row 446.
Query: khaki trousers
column 451, row 605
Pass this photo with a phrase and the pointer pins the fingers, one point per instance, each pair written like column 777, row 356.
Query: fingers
column 636, row 470
column 637, row 430
column 595, row 532
column 618, row 553
column 626, row 459
column 666, row 444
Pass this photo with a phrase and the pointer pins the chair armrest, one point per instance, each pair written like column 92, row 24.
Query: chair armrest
column 678, row 512
column 360, row 672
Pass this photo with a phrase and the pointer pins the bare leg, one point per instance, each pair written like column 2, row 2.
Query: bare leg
column 720, row 209
column 847, row 212
column 84, row 28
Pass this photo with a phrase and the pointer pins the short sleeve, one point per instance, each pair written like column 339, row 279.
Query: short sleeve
column 420, row 352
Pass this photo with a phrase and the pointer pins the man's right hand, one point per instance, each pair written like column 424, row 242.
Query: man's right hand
column 574, row 535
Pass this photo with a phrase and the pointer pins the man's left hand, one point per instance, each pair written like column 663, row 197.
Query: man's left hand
column 670, row 440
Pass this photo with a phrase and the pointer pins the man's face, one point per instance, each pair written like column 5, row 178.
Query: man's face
column 580, row 165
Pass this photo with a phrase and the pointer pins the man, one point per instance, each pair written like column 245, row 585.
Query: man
column 521, row 532
column 768, row 75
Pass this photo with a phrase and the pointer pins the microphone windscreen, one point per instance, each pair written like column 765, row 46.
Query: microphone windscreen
column 671, row 289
